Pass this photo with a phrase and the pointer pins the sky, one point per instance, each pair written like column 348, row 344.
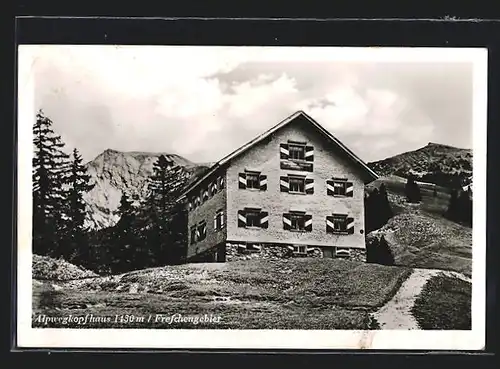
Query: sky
column 204, row 102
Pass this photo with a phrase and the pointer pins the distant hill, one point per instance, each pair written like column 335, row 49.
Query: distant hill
column 115, row 173
column 443, row 165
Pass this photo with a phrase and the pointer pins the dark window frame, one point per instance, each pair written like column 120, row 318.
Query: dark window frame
column 299, row 220
column 255, row 216
column 298, row 149
column 192, row 232
column 253, row 180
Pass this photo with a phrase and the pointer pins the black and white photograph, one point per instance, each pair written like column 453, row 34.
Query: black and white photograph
column 209, row 196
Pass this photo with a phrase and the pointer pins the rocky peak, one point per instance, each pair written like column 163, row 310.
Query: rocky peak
column 114, row 173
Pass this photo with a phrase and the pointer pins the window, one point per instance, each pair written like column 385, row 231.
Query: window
column 297, row 221
column 211, row 189
column 300, row 250
column 253, row 218
column 220, row 182
column 296, row 152
column 339, row 223
column 252, row 180
column 339, row 187
column 342, row 252
column 202, row 231
column 297, row 184
column 219, row 220
column 204, row 194
column 192, row 238
column 253, row 247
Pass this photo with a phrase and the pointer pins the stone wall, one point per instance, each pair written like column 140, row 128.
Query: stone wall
column 238, row 251
column 358, row 254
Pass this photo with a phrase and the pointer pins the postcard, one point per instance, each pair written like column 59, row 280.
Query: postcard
column 251, row 197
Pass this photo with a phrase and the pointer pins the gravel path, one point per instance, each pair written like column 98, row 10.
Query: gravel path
column 396, row 314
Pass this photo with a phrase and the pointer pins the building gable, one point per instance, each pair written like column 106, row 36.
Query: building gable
column 308, row 124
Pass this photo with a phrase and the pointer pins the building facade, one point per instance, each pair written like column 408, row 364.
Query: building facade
column 294, row 188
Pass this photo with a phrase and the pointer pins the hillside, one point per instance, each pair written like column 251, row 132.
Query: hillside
column 116, row 172
column 440, row 164
column 419, row 236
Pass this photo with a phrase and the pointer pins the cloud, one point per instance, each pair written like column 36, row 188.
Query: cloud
column 203, row 102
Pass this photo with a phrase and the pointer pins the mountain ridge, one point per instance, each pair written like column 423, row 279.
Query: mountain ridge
column 441, row 164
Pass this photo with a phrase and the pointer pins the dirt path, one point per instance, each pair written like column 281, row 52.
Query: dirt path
column 396, row 314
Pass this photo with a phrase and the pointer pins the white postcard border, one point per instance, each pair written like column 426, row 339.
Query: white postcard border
column 261, row 339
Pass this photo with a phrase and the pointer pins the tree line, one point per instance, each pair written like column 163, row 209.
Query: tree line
column 149, row 233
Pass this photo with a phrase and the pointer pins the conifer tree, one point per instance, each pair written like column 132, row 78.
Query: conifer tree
column 165, row 185
column 79, row 183
column 124, row 240
column 465, row 207
column 385, row 253
column 453, row 207
column 385, row 206
column 50, row 166
column 412, row 190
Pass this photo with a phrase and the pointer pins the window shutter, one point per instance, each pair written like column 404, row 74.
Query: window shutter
column 242, row 180
column 215, row 221
column 342, row 252
column 309, row 153
column 350, row 225
column 263, row 182
column 284, row 151
column 197, row 234
column 329, row 187
column 190, row 206
column 348, row 189
column 284, row 184
column 287, row 223
column 329, row 224
column 222, row 219
column 309, row 185
column 242, row 219
column 308, row 223
column 264, row 219
column 221, row 183
column 204, row 230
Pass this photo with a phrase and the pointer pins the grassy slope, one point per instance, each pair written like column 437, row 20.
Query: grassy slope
column 445, row 303
column 254, row 294
column 420, row 236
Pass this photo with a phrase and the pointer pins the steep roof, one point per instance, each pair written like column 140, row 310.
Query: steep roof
column 355, row 159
